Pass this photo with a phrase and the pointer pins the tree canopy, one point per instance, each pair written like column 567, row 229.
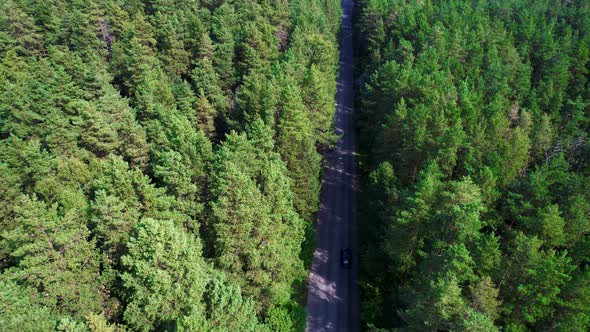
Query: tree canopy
column 160, row 161
column 473, row 120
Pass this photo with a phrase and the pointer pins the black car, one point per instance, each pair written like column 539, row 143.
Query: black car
column 346, row 257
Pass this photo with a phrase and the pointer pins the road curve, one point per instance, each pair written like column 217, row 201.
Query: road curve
column 333, row 299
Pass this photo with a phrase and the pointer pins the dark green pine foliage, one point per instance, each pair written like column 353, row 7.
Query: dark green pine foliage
column 126, row 201
column 296, row 144
column 206, row 80
column 172, row 287
column 224, row 25
column 165, row 276
column 53, row 254
column 19, row 310
column 474, row 144
column 256, row 228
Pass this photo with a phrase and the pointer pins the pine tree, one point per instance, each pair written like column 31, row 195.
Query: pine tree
column 165, row 276
column 206, row 80
column 256, row 99
column 258, row 47
column 133, row 54
column 20, row 32
column 173, row 54
column 206, row 115
column 258, row 234
column 318, row 95
column 533, row 281
column 296, row 144
column 55, row 256
column 19, row 311
column 180, row 162
column 226, row 309
column 224, row 21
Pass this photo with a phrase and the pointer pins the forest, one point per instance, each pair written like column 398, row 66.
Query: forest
column 474, row 122
column 160, row 161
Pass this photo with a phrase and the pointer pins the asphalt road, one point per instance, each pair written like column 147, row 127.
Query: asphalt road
column 333, row 299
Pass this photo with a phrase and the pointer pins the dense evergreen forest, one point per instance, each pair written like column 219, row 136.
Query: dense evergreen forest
column 160, row 161
column 474, row 120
